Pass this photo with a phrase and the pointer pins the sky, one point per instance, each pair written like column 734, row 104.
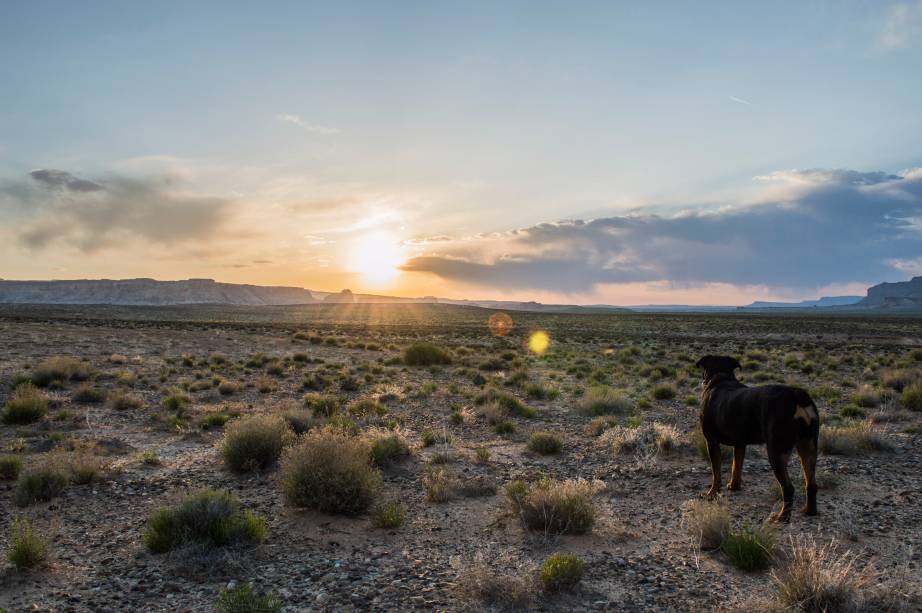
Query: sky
column 598, row 152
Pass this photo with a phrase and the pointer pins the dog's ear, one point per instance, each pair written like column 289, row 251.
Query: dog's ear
column 700, row 363
column 736, row 364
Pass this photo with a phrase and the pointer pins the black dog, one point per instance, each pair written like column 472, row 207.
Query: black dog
column 780, row 416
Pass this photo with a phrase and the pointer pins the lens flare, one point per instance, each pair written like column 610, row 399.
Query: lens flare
column 539, row 341
column 500, row 324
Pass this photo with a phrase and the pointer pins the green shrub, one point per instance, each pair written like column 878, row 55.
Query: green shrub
column 866, row 397
column 603, row 400
column 541, row 391
column 706, row 521
column 663, row 391
column 209, row 518
column 911, row 397
column 228, row 388
column 122, row 400
column 321, row 405
column 388, row 514
column 544, row 443
column 89, row 394
column 331, row 472
column 176, row 402
column 255, row 443
column 28, row 404
column 504, row 427
column 242, row 599
column 215, row 419
column 59, row 370
column 554, row 507
column 506, row 402
column 749, row 549
column 387, row 449
column 40, row 484
column 10, row 466
column 561, row 571
column 367, row 408
column 425, row 354
column 432, row 437
column 26, row 549
column 851, row 411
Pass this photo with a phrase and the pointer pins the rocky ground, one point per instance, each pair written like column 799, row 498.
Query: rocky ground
column 638, row 556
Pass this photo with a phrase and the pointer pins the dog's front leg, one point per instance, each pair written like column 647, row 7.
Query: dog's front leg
column 714, row 455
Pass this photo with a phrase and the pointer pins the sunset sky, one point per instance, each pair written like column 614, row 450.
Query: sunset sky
column 594, row 152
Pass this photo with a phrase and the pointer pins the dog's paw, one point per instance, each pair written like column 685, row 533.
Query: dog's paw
column 734, row 487
column 712, row 493
column 809, row 511
column 780, row 517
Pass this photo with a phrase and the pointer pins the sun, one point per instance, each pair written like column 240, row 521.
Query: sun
column 377, row 256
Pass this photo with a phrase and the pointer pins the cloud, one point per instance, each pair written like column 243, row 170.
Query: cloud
column 739, row 100
column 815, row 176
column 53, row 206
column 298, row 121
column 902, row 26
column 839, row 226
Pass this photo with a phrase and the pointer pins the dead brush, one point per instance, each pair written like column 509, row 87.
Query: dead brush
column 507, row 585
column 554, row 507
column 819, row 578
column 707, row 522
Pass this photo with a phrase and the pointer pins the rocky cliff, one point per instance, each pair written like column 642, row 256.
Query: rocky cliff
column 901, row 294
column 148, row 292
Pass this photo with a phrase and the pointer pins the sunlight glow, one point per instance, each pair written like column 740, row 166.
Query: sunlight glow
column 376, row 256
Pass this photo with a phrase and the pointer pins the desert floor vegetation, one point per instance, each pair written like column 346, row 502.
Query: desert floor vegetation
column 402, row 457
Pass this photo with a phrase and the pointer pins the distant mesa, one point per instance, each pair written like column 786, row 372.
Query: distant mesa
column 344, row 297
column 825, row 301
column 903, row 294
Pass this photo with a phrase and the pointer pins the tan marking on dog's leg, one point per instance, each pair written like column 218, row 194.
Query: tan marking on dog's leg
column 806, row 449
column 736, row 475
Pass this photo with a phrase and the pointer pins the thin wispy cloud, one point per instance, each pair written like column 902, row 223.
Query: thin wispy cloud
column 739, row 100
column 903, row 26
column 309, row 127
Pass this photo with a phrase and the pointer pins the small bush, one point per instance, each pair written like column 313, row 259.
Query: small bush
column 425, row 354
column 299, row 421
column 663, row 391
column 707, row 522
column 820, row 578
column 228, row 388
column 89, row 394
column 59, row 370
column 561, row 571
column 388, row 449
column 10, row 467
column 603, row 400
column 367, row 408
column 509, row 588
column 209, row 518
column 434, row 437
column 27, row 549
column 321, row 405
column 331, row 472
column 541, row 391
column 554, row 507
column 544, row 443
column 504, row 427
column 911, row 397
column 506, row 403
column 438, row 484
column 242, row 599
column 750, row 549
column 176, row 402
column 866, row 397
column 388, row 514
column 28, row 404
column 255, row 443
column 86, row 468
column 853, row 439
column 600, row 424
column 122, row 401
column 40, row 484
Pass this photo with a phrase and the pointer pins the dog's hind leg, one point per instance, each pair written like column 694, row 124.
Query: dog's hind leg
column 806, row 449
column 736, row 476
column 714, row 455
column 779, row 462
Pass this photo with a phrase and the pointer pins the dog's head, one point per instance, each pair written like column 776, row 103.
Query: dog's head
column 713, row 365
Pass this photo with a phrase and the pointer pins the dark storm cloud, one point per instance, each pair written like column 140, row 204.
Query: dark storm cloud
column 846, row 227
column 54, row 205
